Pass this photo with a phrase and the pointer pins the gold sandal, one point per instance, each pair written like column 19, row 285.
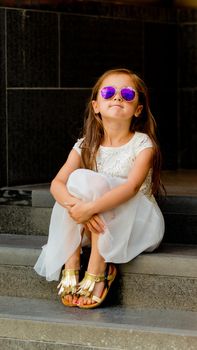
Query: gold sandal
column 68, row 285
column 86, row 286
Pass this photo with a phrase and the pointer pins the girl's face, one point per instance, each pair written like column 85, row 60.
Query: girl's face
column 117, row 107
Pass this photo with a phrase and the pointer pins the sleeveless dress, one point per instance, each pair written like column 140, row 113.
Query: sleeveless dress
column 131, row 228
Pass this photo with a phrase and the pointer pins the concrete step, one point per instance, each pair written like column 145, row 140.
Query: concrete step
column 24, row 220
column 180, row 214
column 165, row 279
column 27, row 209
column 43, row 324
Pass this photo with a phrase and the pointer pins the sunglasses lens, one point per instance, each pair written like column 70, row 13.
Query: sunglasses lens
column 128, row 94
column 108, row 92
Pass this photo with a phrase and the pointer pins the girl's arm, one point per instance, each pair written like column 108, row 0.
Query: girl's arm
column 122, row 193
column 58, row 186
column 62, row 196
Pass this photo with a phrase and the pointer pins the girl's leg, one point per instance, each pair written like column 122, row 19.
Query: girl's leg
column 84, row 183
column 96, row 266
column 73, row 263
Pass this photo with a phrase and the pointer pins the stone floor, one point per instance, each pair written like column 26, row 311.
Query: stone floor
column 176, row 182
column 182, row 182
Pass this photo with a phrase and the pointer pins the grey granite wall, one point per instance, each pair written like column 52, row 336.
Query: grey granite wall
column 50, row 60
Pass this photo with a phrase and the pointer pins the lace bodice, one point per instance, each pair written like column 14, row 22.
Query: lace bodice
column 118, row 161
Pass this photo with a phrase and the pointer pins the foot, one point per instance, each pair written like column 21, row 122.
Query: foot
column 97, row 291
column 71, row 299
column 95, row 296
column 70, row 279
column 68, row 286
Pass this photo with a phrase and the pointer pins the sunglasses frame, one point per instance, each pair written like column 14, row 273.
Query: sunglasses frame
column 120, row 90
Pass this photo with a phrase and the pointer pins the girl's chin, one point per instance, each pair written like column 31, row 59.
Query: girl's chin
column 117, row 116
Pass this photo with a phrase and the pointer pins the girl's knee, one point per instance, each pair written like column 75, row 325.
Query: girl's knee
column 79, row 173
column 85, row 180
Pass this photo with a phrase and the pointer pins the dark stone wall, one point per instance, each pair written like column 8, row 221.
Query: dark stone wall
column 187, row 88
column 50, row 60
column 3, row 121
column 160, row 73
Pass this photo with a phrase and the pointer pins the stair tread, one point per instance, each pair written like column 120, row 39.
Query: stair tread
column 163, row 279
column 177, row 182
column 22, row 241
column 180, row 186
column 48, row 311
column 169, row 259
column 36, row 242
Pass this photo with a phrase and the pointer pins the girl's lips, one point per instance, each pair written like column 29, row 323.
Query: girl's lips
column 116, row 105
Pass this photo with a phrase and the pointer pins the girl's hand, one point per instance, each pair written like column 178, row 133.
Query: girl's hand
column 79, row 211
column 71, row 202
column 95, row 224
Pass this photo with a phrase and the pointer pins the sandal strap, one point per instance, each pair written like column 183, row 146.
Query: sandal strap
column 96, row 299
column 70, row 272
column 68, row 283
column 94, row 278
column 86, row 286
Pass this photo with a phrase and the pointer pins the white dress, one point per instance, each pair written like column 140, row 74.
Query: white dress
column 133, row 227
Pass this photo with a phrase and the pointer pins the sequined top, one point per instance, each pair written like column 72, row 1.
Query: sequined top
column 118, row 161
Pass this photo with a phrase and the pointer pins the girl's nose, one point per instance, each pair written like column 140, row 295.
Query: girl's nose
column 117, row 96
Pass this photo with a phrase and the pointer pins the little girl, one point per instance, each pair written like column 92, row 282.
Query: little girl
column 105, row 192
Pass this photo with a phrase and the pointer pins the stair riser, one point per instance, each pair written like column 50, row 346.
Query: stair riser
column 24, row 220
column 15, row 344
column 105, row 338
column 180, row 214
column 165, row 292
column 134, row 290
column 181, row 227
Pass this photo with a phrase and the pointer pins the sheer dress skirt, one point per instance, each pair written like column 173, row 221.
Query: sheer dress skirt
column 133, row 227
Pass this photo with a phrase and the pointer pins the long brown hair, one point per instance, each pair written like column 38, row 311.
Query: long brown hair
column 93, row 130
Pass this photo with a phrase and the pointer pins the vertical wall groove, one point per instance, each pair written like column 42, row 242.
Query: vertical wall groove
column 59, row 48
column 6, row 105
column 178, row 94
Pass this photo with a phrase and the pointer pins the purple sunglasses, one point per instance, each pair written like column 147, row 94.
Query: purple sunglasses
column 127, row 93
